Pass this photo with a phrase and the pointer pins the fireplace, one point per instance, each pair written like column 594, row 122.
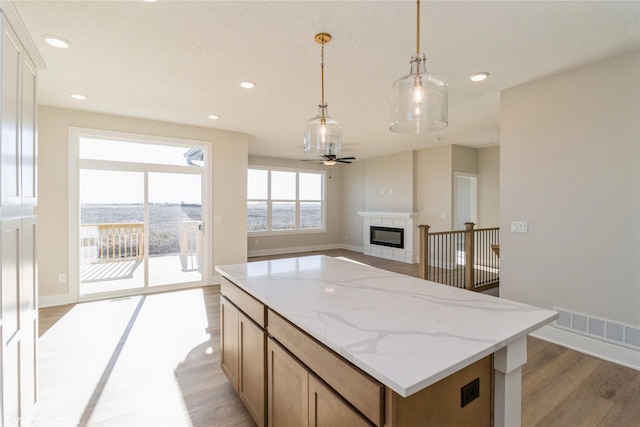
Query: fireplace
column 386, row 236
column 390, row 235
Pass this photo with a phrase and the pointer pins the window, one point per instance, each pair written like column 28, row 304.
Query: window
column 285, row 200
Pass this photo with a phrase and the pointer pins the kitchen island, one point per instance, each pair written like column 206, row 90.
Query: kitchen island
column 360, row 345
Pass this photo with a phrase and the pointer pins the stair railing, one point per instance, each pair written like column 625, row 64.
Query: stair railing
column 464, row 258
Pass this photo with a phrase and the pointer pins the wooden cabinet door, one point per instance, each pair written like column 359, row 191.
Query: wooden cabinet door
column 328, row 409
column 288, row 388
column 229, row 340
column 252, row 381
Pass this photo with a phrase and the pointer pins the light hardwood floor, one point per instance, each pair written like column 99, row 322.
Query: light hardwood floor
column 155, row 361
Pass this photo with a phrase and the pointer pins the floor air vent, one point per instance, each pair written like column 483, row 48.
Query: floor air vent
column 619, row 333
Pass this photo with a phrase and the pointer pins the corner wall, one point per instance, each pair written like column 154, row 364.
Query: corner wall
column 489, row 187
column 570, row 167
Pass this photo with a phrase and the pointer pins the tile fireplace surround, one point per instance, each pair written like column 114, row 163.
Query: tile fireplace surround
column 404, row 220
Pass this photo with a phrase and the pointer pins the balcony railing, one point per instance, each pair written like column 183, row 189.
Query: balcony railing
column 105, row 243
column 464, row 259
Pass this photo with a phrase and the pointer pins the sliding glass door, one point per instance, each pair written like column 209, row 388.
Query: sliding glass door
column 141, row 216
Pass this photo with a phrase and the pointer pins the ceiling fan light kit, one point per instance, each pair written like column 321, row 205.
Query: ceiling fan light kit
column 324, row 133
column 419, row 102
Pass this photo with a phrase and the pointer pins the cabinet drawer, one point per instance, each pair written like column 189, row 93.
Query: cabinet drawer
column 245, row 302
column 358, row 388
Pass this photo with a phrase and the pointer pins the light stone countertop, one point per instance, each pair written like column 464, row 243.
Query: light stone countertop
column 405, row 332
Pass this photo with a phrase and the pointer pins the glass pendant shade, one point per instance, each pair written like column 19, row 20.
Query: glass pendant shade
column 419, row 101
column 324, row 134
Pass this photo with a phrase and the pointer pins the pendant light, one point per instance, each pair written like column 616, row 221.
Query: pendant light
column 324, row 133
column 419, row 101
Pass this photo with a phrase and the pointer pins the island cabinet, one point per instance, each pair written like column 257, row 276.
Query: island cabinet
column 286, row 378
column 345, row 344
column 243, row 348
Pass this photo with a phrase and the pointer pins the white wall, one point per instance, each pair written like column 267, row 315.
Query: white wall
column 353, row 201
column 389, row 183
column 229, row 151
column 570, row 167
column 434, row 187
column 464, row 159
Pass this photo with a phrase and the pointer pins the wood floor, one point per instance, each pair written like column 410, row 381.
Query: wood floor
column 155, row 361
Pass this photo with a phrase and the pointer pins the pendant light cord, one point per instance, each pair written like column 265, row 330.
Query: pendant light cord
column 322, row 70
column 418, row 26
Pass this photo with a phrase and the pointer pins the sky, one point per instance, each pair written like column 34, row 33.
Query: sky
column 117, row 186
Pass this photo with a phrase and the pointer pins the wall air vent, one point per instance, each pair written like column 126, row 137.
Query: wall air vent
column 602, row 329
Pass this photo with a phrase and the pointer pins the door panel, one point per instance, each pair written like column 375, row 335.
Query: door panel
column 111, row 231
column 10, row 277
column 175, row 236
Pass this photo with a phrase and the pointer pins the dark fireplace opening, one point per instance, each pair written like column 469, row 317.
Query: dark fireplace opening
column 386, row 236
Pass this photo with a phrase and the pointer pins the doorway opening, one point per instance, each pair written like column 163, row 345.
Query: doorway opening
column 465, row 207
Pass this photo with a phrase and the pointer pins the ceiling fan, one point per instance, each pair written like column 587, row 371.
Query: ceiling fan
column 331, row 159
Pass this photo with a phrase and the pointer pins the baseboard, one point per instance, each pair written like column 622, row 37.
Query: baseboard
column 280, row 251
column 601, row 349
column 352, row 247
column 53, row 300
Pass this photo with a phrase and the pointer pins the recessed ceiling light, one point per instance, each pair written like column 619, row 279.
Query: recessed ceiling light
column 478, row 77
column 78, row 96
column 213, row 116
column 56, row 41
column 151, row 1
column 247, row 84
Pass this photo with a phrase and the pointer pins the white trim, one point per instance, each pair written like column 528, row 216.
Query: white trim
column 389, row 214
column 298, row 249
column 280, row 251
column 73, row 269
column 352, row 248
column 474, row 197
column 601, row 349
column 21, row 31
column 54, row 300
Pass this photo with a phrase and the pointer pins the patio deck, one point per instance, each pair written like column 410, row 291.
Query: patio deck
column 99, row 278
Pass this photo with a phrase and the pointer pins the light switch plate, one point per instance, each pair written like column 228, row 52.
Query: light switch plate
column 519, row 227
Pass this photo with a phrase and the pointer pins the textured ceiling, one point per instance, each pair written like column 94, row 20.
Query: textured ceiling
column 179, row 61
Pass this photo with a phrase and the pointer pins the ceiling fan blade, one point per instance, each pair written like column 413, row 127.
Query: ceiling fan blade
column 347, row 158
column 342, row 161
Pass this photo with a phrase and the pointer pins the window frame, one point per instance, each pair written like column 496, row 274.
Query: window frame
column 297, row 230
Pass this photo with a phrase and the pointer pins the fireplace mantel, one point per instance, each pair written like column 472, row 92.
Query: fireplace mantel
column 402, row 220
column 389, row 214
